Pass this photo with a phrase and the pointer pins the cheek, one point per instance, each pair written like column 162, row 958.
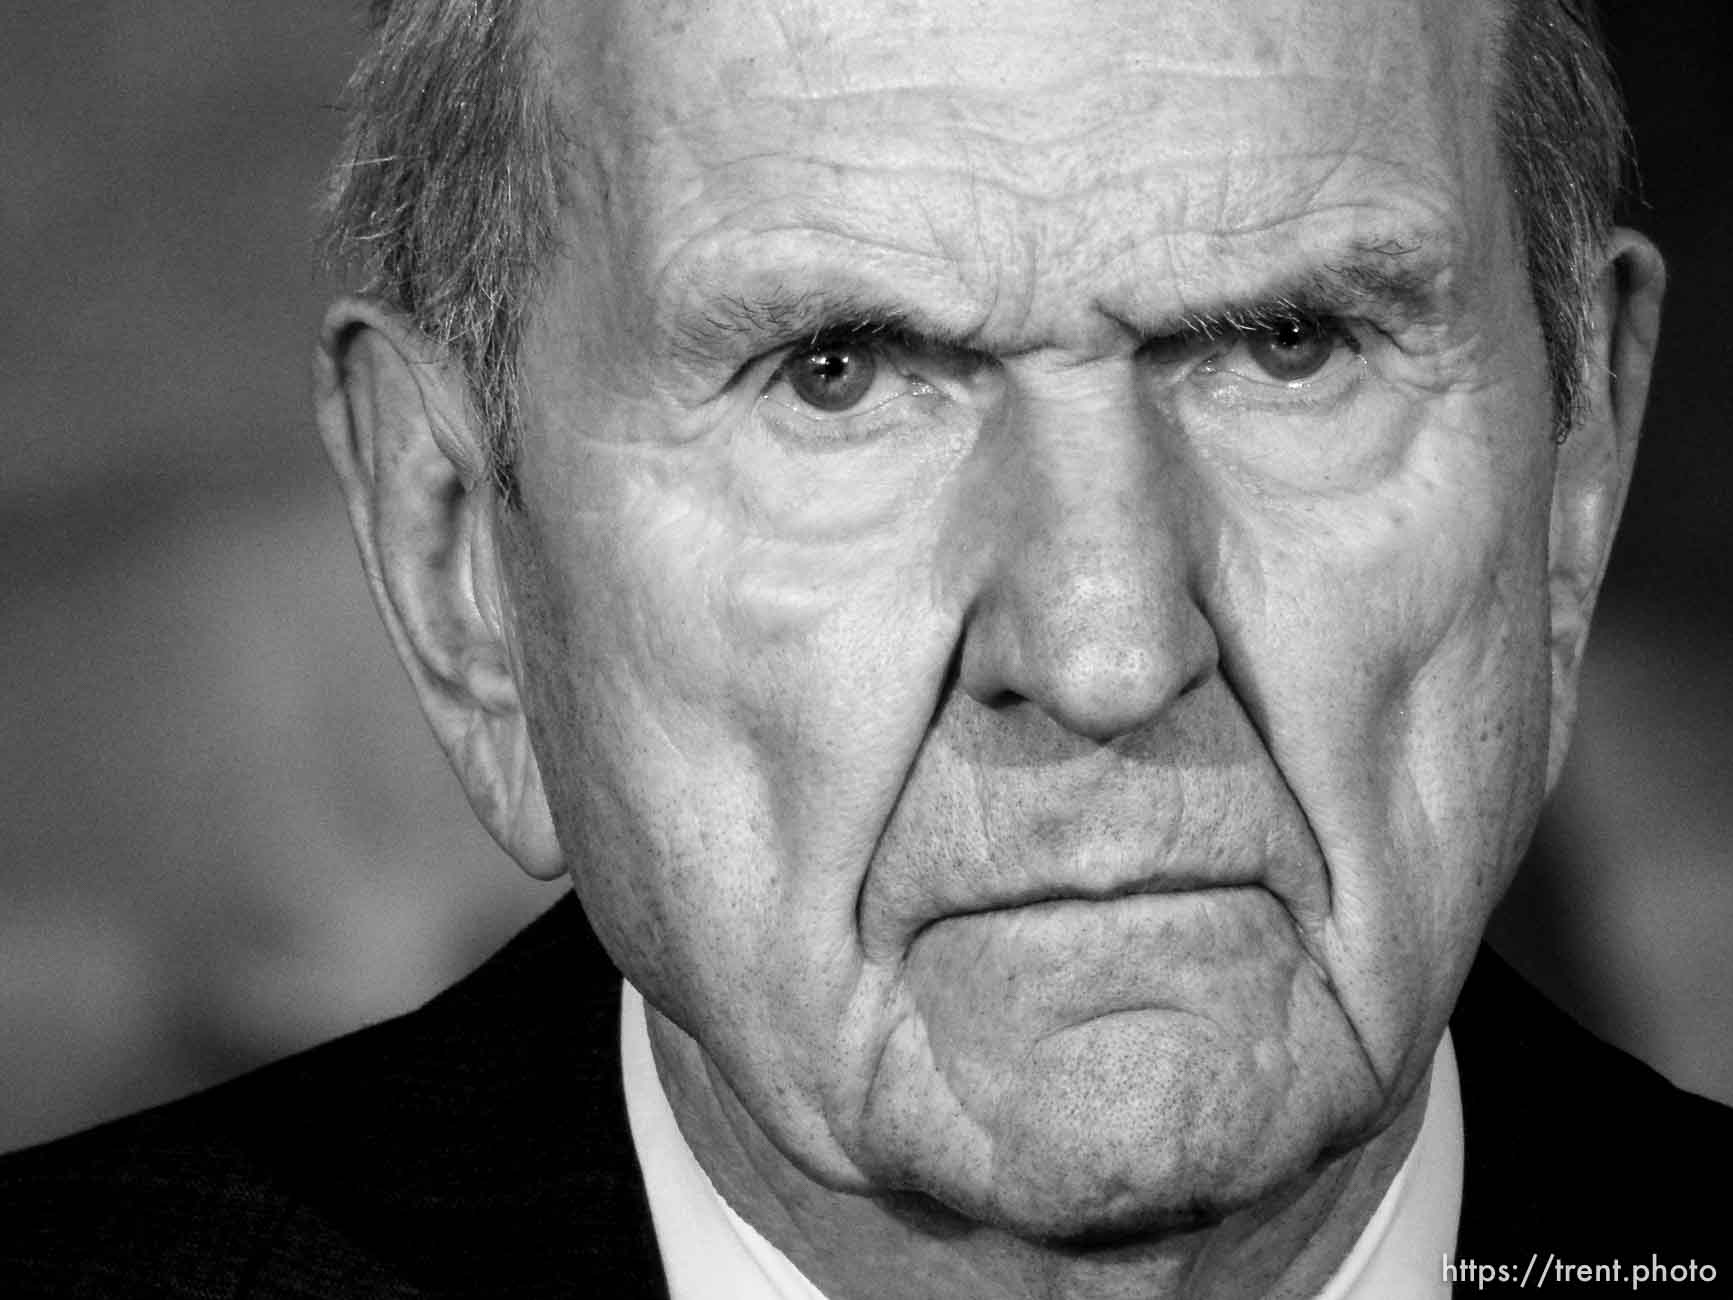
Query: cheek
column 1392, row 652
column 730, row 706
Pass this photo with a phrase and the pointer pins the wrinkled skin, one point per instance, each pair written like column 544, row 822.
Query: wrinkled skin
column 1059, row 794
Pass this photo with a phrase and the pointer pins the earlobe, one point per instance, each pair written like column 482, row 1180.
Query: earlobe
column 1594, row 466
column 393, row 412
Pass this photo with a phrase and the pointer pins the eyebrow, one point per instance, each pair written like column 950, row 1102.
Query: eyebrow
column 1394, row 282
column 776, row 313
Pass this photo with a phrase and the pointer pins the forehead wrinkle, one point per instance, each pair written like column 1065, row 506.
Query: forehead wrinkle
column 1019, row 188
column 804, row 48
column 1114, row 103
column 1020, row 144
column 1112, row 62
column 963, row 209
column 1039, row 233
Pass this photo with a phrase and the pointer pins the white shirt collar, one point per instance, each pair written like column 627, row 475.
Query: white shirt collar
column 1402, row 1249
column 710, row 1253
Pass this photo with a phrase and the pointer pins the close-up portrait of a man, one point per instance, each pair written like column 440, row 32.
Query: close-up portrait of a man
column 1030, row 564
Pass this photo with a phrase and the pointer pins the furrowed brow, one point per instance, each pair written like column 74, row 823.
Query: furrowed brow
column 1392, row 282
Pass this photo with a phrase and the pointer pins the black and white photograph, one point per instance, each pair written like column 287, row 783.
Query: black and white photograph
column 868, row 650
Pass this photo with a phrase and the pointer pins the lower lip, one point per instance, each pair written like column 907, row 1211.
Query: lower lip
column 1124, row 953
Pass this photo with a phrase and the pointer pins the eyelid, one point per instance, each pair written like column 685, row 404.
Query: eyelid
column 1213, row 360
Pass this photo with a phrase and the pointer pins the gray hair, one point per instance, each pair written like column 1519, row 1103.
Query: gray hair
column 1564, row 143
column 447, row 192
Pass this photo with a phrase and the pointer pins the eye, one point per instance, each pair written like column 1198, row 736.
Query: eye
column 1287, row 350
column 840, row 379
column 831, row 377
column 1293, row 349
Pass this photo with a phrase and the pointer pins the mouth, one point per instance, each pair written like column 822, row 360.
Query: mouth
column 1140, row 885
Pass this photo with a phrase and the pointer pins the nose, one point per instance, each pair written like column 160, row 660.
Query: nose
column 1085, row 607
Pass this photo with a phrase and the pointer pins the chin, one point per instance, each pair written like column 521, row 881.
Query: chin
column 1172, row 1151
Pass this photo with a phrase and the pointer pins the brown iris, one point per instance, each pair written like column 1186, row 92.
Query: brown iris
column 831, row 376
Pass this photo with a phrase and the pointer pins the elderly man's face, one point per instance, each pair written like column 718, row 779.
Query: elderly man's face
column 1033, row 581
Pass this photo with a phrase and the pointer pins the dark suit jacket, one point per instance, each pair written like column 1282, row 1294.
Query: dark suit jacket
column 478, row 1147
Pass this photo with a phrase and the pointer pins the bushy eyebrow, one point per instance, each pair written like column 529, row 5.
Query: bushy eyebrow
column 740, row 324
column 1394, row 282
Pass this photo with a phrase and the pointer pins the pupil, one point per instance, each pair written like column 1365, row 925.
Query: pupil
column 832, row 378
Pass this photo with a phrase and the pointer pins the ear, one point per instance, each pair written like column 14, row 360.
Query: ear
column 1594, row 465
column 394, row 413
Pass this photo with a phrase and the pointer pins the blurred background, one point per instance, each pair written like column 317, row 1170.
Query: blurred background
column 225, row 832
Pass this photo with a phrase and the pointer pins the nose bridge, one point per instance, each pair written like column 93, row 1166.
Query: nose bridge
column 1087, row 609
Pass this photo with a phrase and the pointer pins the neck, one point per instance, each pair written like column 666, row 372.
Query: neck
column 904, row 1247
